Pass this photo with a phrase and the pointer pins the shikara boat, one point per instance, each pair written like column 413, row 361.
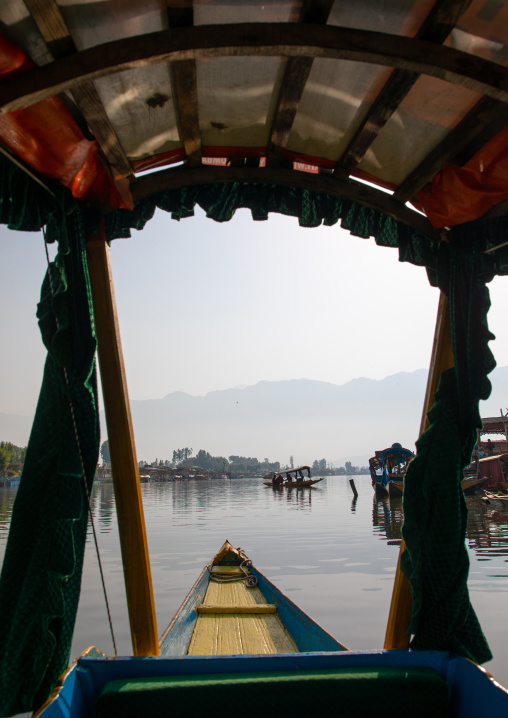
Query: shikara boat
column 472, row 484
column 388, row 118
column 292, row 478
column 306, row 483
column 387, row 469
column 494, row 469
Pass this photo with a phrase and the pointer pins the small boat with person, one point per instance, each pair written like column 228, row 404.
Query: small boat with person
column 291, row 478
column 387, row 470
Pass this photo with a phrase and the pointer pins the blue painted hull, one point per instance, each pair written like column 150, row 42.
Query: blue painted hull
column 472, row 692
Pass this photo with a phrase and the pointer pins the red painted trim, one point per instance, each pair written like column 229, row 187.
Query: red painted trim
column 232, row 152
column 309, row 160
column 165, row 158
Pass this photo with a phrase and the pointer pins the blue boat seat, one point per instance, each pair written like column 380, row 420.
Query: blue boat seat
column 352, row 693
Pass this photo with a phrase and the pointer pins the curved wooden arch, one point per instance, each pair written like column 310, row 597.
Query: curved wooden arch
column 256, row 39
column 324, row 184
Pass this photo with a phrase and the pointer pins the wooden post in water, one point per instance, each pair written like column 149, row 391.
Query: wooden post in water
column 352, row 484
column 441, row 359
column 131, row 521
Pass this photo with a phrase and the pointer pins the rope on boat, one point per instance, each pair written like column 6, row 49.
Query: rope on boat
column 249, row 580
column 83, row 471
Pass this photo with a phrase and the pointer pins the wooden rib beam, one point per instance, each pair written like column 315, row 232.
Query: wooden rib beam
column 436, row 29
column 394, row 91
column 91, row 107
column 55, row 32
column 295, row 78
column 185, row 90
column 325, row 184
column 293, row 84
column 484, row 121
column 255, row 39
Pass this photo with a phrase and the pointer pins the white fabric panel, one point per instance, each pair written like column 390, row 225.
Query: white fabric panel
column 424, row 118
column 93, row 22
column 235, row 11
column 131, row 100
column 237, row 97
column 335, row 100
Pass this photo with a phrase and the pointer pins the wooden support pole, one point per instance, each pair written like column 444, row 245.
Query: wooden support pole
column 442, row 358
column 131, row 522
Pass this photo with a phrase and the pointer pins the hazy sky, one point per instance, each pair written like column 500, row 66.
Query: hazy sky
column 206, row 306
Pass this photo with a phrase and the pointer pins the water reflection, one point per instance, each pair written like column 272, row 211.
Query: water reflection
column 486, row 533
column 294, row 498
column 103, row 507
column 7, row 496
column 322, row 546
column 387, row 518
column 487, row 530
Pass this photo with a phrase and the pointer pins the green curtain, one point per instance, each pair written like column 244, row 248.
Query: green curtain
column 41, row 573
column 435, row 513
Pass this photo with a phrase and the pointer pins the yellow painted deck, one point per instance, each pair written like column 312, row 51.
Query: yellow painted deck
column 238, row 632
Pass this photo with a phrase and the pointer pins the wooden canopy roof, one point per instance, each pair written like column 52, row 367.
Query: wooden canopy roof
column 408, row 95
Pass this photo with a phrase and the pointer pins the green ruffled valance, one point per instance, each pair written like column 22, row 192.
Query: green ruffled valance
column 221, row 201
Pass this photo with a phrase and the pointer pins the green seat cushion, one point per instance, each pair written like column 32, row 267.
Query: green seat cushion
column 362, row 692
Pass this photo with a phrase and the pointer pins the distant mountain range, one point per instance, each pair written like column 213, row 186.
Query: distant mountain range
column 277, row 419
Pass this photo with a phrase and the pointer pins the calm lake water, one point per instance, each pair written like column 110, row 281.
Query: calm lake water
column 335, row 557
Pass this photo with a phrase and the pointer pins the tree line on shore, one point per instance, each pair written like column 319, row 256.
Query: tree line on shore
column 184, row 457
column 12, row 457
